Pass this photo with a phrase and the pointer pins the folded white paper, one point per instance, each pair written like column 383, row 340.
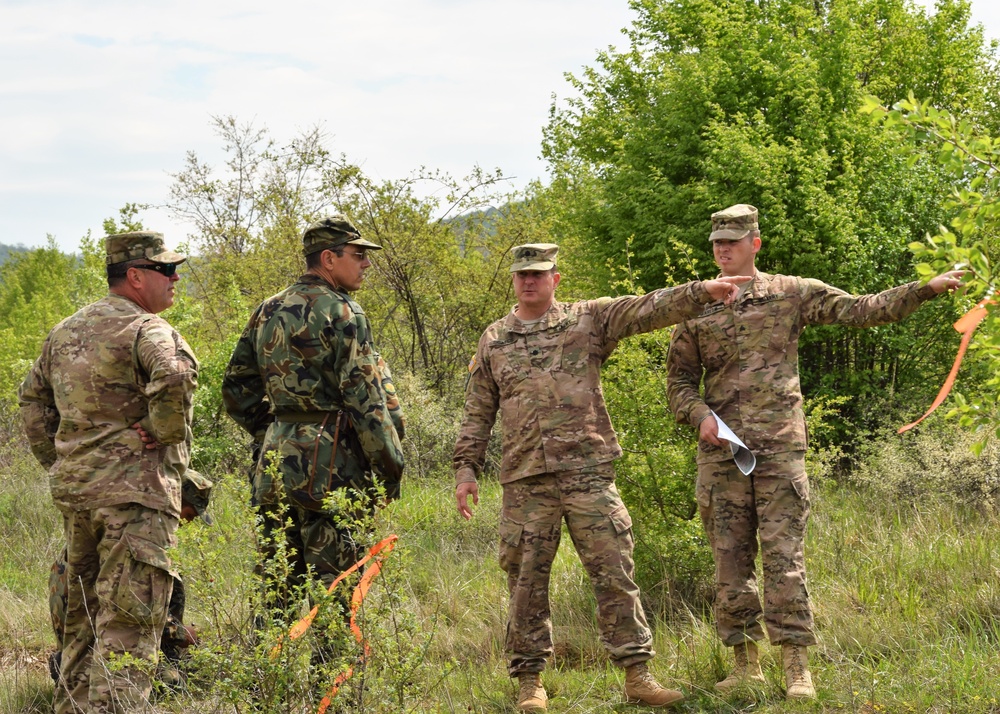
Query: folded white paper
column 744, row 458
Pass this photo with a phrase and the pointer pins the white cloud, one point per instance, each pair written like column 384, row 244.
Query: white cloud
column 103, row 99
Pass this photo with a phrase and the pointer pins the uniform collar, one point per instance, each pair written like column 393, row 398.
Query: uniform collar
column 553, row 316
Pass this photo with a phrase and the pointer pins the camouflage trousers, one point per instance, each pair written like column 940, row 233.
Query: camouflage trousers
column 175, row 635
column 771, row 504
column 601, row 529
column 118, row 585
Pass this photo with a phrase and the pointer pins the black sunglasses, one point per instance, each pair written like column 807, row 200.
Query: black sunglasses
column 165, row 269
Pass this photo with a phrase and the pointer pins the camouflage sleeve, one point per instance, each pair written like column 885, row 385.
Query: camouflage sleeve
column 632, row 315
column 482, row 400
column 364, row 401
column 243, row 392
column 391, row 398
column 824, row 304
column 173, row 376
column 684, row 372
column 38, row 410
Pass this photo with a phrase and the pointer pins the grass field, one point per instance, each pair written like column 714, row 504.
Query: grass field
column 906, row 594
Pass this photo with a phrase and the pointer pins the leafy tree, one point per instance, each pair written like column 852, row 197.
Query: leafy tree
column 971, row 158
column 716, row 103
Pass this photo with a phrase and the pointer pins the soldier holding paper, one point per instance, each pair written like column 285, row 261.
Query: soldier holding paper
column 747, row 354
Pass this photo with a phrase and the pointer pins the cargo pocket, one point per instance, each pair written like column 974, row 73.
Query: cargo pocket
column 621, row 521
column 141, row 595
column 510, row 543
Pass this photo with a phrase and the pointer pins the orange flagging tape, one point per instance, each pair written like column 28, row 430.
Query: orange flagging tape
column 379, row 552
column 966, row 324
column 356, row 598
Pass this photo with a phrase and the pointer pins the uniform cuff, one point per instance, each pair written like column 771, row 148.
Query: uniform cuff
column 465, row 475
column 699, row 293
column 699, row 414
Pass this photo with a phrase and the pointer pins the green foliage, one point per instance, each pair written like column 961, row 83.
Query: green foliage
column 38, row 288
column 716, row 103
column 932, row 464
column 971, row 159
column 432, row 288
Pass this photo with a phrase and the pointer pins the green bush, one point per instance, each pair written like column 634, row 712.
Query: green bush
column 656, row 476
column 935, row 463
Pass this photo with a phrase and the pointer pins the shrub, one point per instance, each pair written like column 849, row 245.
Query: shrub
column 937, row 463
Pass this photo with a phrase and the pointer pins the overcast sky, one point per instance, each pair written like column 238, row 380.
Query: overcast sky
column 101, row 99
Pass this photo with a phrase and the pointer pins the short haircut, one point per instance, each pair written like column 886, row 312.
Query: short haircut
column 313, row 259
column 117, row 271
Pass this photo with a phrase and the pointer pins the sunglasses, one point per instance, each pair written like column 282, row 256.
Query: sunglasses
column 360, row 254
column 167, row 270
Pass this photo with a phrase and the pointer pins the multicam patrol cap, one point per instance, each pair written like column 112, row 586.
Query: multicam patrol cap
column 195, row 491
column 534, row 256
column 332, row 231
column 137, row 245
column 734, row 223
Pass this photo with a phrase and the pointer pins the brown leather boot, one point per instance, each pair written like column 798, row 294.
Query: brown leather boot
column 641, row 688
column 747, row 668
column 532, row 696
column 798, row 681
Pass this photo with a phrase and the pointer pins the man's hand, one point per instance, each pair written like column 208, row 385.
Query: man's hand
column 462, row 493
column 725, row 289
column 148, row 440
column 708, row 430
column 946, row 281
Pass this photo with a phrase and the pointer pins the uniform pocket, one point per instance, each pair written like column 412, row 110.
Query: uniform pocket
column 141, row 594
column 621, row 520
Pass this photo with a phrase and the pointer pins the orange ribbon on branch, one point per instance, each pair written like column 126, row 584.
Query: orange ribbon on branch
column 379, row 552
column 966, row 324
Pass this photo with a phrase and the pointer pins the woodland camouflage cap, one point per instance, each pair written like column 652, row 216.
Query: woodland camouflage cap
column 332, row 231
column 137, row 245
column 534, row 256
column 734, row 223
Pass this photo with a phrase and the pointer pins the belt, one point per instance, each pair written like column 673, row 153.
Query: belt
column 305, row 417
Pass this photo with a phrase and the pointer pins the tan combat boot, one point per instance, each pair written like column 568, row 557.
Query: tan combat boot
column 532, row 696
column 641, row 688
column 798, row 681
column 747, row 668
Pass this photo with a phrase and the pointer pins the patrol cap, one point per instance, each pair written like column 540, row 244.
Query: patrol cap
column 195, row 490
column 139, row 244
column 534, row 256
column 332, row 231
column 734, row 222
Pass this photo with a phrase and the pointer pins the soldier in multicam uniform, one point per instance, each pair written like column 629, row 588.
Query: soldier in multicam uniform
column 747, row 354
column 176, row 637
column 306, row 382
column 540, row 367
column 107, row 408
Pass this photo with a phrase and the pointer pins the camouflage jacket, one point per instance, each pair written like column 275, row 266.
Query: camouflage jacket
column 305, row 378
column 545, row 380
column 101, row 370
column 747, row 354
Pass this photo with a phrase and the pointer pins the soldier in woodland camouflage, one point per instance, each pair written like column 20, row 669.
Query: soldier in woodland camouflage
column 306, row 382
column 540, row 367
column 747, row 355
column 107, row 408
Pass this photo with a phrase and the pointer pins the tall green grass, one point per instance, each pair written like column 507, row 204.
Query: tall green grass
column 906, row 594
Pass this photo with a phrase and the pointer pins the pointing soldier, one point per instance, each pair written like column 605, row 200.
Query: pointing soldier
column 747, row 354
column 306, row 381
column 107, row 408
column 540, row 367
